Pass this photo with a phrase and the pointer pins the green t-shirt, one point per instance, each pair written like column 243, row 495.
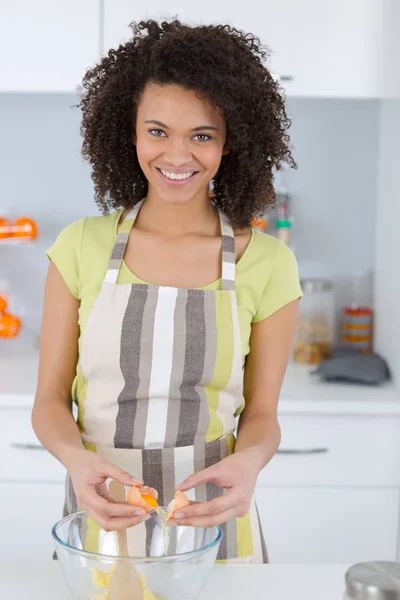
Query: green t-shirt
column 266, row 275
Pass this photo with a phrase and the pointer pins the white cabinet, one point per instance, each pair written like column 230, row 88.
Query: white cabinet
column 334, row 450
column 330, row 49
column 328, row 525
column 332, row 493
column 28, row 512
column 326, row 48
column 31, row 491
column 22, row 456
column 47, row 46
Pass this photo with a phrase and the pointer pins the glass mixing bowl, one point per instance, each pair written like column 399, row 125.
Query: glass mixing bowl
column 174, row 563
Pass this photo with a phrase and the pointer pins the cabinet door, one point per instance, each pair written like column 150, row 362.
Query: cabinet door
column 336, row 450
column 28, row 512
column 324, row 48
column 328, row 525
column 22, row 456
column 46, row 46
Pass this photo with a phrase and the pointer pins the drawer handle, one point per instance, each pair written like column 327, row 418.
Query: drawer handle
column 303, row 451
column 282, row 77
column 22, row 446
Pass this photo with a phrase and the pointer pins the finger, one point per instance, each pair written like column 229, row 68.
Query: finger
column 220, row 504
column 104, row 493
column 110, row 470
column 119, row 509
column 117, row 523
column 205, row 476
column 108, row 509
column 206, row 520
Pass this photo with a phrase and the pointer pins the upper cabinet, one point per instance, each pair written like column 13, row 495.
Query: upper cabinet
column 46, row 46
column 333, row 48
column 320, row 49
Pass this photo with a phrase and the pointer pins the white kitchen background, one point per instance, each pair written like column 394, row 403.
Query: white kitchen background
column 334, row 190
column 332, row 494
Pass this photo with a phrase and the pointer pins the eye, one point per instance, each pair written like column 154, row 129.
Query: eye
column 156, row 132
column 204, row 136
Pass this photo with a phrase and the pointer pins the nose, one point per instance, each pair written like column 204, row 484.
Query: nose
column 177, row 152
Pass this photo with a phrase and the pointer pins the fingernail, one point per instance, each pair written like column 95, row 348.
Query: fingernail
column 138, row 513
column 179, row 515
column 178, row 484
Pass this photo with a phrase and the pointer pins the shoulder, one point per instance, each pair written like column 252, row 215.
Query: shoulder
column 268, row 275
column 93, row 234
column 265, row 253
column 89, row 229
column 81, row 250
column 102, row 227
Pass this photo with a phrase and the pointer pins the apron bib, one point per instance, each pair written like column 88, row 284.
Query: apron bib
column 164, row 376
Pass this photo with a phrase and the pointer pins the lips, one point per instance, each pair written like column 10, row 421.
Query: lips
column 177, row 182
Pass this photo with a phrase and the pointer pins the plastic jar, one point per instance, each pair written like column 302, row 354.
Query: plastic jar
column 316, row 324
column 284, row 231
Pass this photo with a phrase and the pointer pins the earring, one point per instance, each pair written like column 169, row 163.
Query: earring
column 211, row 193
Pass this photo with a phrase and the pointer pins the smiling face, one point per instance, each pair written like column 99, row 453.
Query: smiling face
column 180, row 140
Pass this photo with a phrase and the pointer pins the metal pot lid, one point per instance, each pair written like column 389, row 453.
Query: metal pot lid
column 374, row 581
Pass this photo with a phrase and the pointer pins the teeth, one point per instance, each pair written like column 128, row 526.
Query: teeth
column 176, row 175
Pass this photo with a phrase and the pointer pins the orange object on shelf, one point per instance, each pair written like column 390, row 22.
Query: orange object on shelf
column 10, row 325
column 3, row 302
column 259, row 224
column 5, row 226
column 24, row 228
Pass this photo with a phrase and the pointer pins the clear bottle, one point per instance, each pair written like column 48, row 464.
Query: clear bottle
column 357, row 314
column 284, row 231
column 316, row 324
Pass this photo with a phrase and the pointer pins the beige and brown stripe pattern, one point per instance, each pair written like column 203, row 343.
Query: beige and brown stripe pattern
column 165, row 381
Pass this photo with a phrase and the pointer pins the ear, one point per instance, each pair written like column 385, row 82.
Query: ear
column 225, row 150
column 134, row 139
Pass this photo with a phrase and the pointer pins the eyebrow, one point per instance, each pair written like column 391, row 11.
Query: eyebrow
column 200, row 128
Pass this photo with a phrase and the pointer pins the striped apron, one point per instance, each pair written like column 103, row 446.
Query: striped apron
column 164, row 376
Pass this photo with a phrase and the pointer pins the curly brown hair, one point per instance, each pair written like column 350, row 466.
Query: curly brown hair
column 219, row 61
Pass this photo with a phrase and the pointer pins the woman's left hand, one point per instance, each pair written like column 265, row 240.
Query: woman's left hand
column 235, row 473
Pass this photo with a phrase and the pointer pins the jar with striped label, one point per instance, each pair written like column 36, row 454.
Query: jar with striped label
column 357, row 328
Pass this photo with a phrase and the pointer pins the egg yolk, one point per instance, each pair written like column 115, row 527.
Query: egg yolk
column 150, row 500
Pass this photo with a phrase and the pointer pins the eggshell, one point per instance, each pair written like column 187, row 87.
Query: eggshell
column 179, row 502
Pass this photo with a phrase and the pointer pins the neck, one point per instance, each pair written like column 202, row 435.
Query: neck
column 159, row 216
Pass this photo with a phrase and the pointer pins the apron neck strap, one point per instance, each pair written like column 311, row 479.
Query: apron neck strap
column 228, row 252
column 117, row 255
column 228, row 248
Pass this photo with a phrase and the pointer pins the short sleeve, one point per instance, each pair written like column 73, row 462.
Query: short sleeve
column 65, row 253
column 282, row 286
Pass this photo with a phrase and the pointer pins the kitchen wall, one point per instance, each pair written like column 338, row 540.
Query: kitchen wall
column 388, row 240
column 334, row 189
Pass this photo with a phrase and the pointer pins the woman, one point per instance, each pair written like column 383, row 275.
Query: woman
column 163, row 338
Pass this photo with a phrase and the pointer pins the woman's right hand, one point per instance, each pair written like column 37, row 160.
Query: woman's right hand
column 89, row 473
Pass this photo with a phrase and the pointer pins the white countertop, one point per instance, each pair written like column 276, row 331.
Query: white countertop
column 228, row 582
column 301, row 392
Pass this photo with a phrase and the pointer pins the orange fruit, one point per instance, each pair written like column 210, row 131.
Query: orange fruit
column 4, row 228
column 3, row 302
column 10, row 325
column 25, row 228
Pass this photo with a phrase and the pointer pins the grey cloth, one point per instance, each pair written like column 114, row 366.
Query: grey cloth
column 354, row 367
